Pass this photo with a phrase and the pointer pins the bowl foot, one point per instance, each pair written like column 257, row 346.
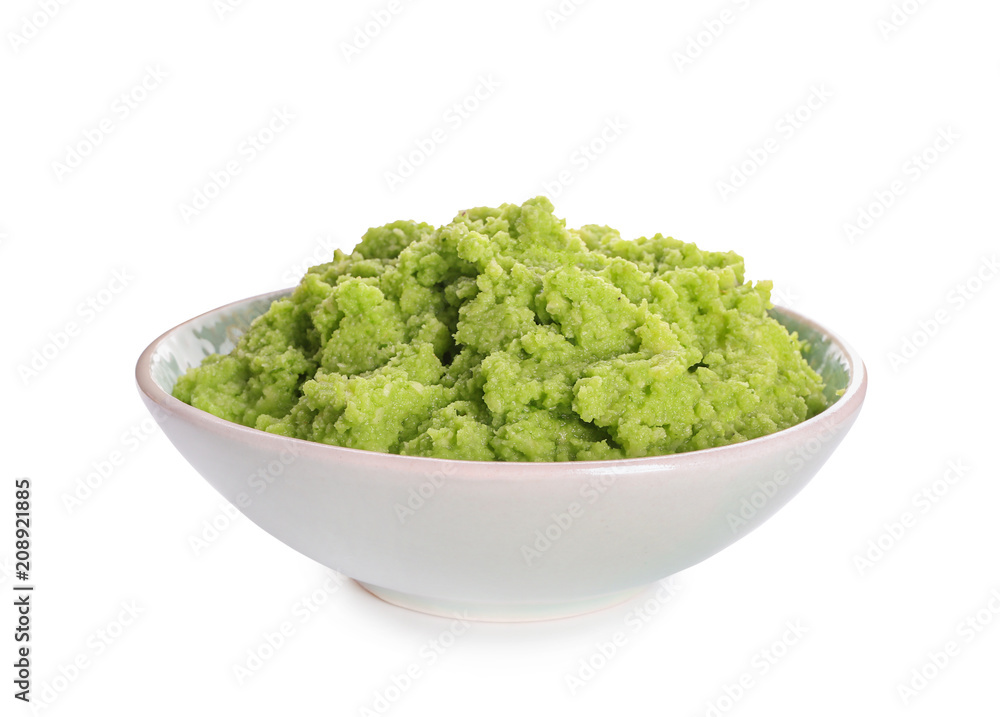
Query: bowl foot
column 500, row 612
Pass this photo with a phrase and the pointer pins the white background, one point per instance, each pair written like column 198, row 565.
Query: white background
column 322, row 181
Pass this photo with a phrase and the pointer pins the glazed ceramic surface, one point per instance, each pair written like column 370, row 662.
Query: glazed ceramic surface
column 495, row 541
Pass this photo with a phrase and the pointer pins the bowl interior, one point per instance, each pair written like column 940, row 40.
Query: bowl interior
column 218, row 331
column 215, row 332
column 824, row 354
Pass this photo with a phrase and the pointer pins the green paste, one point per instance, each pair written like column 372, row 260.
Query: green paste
column 505, row 336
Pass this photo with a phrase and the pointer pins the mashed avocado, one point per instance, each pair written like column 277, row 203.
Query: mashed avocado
column 506, row 336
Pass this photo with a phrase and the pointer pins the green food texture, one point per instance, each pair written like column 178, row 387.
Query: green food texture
column 505, row 336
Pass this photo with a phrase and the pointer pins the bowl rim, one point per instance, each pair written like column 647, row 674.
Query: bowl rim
column 845, row 409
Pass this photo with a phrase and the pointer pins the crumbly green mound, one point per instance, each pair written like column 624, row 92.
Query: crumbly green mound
column 506, row 336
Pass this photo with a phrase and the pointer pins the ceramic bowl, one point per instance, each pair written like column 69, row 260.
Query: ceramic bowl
column 494, row 540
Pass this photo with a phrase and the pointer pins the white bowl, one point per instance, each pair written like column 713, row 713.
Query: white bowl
column 494, row 540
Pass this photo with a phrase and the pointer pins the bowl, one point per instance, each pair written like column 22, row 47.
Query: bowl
column 495, row 540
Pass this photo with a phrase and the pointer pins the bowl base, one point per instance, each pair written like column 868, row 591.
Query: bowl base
column 500, row 612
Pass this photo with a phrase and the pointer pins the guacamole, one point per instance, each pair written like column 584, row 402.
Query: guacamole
column 506, row 336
